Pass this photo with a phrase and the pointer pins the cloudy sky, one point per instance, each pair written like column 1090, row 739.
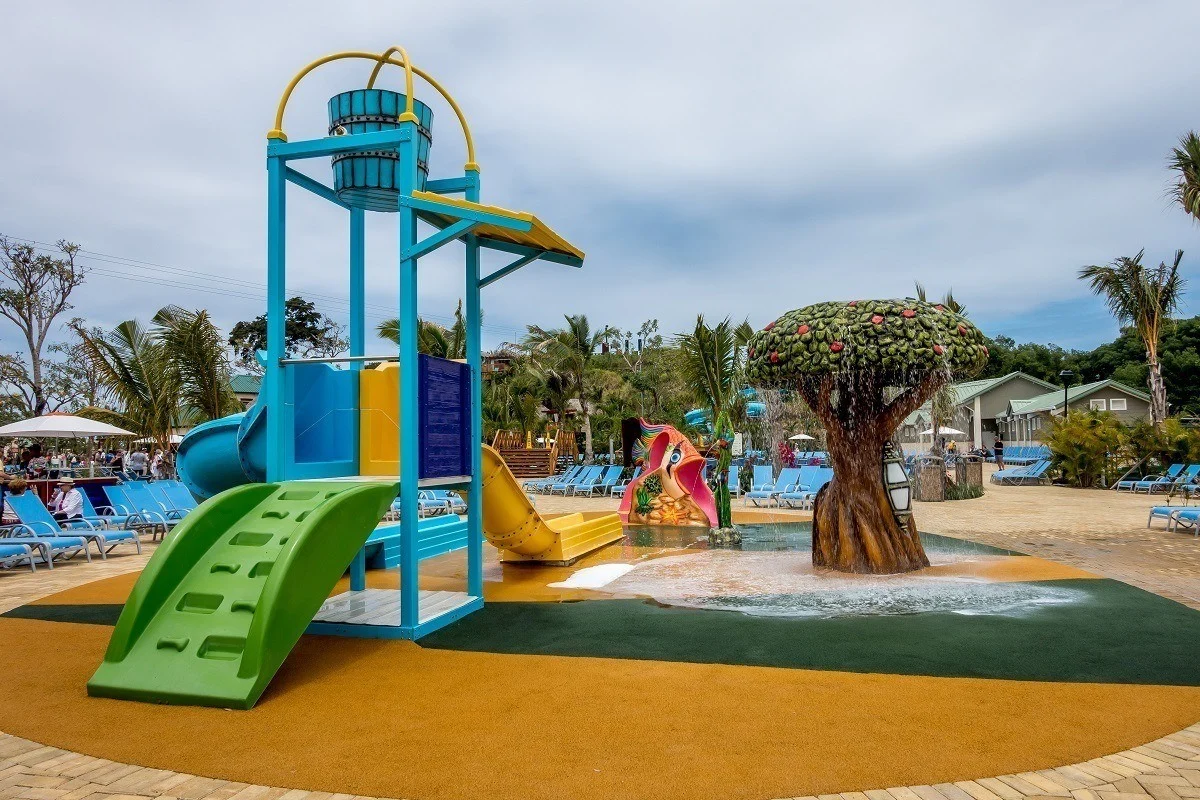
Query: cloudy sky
column 728, row 158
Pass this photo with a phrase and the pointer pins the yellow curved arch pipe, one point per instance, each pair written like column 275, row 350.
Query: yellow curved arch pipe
column 408, row 115
column 380, row 58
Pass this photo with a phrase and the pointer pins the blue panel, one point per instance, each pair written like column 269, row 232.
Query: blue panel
column 324, row 405
column 445, row 417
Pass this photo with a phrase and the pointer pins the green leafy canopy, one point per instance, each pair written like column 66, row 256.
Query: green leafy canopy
column 899, row 340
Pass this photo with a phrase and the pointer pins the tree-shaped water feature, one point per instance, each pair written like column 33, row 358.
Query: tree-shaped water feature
column 863, row 367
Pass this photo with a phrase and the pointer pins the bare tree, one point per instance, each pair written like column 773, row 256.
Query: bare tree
column 35, row 290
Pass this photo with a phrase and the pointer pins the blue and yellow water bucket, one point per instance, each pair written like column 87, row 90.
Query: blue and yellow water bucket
column 370, row 180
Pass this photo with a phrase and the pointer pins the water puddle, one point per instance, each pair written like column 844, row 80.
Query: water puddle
column 772, row 575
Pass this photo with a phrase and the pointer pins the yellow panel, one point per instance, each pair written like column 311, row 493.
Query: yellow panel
column 540, row 236
column 379, row 428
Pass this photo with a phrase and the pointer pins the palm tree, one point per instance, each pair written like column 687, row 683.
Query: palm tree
column 1185, row 159
column 133, row 365
column 711, row 367
column 1144, row 298
column 195, row 351
column 568, row 352
column 432, row 338
column 174, row 374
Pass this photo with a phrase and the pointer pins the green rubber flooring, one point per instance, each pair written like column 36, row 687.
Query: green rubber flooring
column 1116, row 634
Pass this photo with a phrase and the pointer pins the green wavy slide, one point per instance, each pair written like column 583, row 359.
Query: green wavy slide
column 221, row 604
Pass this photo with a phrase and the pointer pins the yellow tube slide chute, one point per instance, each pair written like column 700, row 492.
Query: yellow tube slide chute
column 512, row 524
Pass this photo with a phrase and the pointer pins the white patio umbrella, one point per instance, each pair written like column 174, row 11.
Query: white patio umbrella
column 61, row 426
column 944, row 432
column 800, row 436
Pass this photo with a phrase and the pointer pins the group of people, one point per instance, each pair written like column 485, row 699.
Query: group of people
column 34, row 462
column 66, row 503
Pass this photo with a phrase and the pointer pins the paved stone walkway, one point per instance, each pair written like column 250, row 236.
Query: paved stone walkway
column 1099, row 531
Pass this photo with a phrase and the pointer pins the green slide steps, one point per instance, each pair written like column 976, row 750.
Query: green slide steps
column 221, row 604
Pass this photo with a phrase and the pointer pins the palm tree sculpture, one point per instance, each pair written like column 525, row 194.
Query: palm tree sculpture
column 711, row 369
column 568, row 352
column 1144, row 297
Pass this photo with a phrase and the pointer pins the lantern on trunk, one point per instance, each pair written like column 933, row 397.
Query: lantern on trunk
column 895, row 480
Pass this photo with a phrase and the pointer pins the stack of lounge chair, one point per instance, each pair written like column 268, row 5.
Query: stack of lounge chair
column 1029, row 475
column 1021, row 455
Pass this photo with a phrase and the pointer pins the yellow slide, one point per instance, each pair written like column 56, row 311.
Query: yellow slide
column 511, row 523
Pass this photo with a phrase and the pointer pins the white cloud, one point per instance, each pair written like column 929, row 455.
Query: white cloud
column 735, row 159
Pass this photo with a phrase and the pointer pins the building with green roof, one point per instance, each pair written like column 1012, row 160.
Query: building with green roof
column 1029, row 418
column 981, row 406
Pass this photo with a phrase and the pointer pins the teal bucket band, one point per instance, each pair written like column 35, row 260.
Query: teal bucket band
column 371, row 180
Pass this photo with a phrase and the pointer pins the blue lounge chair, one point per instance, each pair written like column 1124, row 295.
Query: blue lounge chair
column 769, row 493
column 178, row 494
column 12, row 554
column 36, row 517
column 735, row 486
column 138, row 514
column 427, row 505
column 1034, row 473
column 762, row 477
column 1172, row 473
column 1183, row 518
column 50, row 547
column 104, row 516
column 568, row 486
column 544, row 484
column 1164, row 484
column 453, row 500
column 608, row 479
column 619, row 489
column 804, row 495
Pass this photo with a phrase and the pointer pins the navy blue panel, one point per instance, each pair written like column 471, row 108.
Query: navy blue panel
column 445, row 417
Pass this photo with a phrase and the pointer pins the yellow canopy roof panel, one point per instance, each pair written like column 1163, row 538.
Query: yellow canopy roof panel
column 539, row 235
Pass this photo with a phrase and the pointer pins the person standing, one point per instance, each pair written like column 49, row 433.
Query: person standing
column 138, row 461
column 156, row 465
column 998, row 448
column 67, row 503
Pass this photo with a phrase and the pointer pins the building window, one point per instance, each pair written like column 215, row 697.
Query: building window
column 1118, row 404
column 1097, row 405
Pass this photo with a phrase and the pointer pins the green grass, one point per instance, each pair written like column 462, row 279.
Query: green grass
column 963, row 491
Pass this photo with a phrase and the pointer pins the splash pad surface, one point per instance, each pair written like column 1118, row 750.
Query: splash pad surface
column 770, row 575
column 619, row 689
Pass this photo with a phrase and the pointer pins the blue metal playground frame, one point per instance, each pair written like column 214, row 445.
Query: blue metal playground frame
column 464, row 222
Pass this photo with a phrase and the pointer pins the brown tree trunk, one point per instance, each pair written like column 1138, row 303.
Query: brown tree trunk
column 854, row 529
column 1158, row 391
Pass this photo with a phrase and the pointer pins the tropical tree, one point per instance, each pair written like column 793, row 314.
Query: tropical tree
column 35, row 289
column 133, row 364
column 173, row 374
column 432, row 338
column 1143, row 297
column 568, row 352
column 307, row 333
column 1185, row 160
column 196, row 358
column 711, row 369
